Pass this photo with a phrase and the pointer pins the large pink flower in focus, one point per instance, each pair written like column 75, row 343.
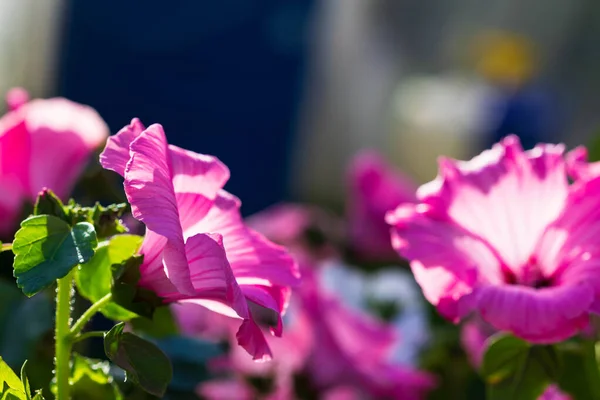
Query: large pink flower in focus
column 374, row 189
column 43, row 144
column 196, row 247
column 504, row 235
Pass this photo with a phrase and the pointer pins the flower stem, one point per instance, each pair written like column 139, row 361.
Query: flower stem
column 591, row 367
column 88, row 335
column 62, row 369
column 88, row 314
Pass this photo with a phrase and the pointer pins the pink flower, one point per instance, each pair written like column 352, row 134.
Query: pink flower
column 474, row 335
column 338, row 352
column 374, row 189
column 351, row 349
column 578, row 166
column 328, row 350
column 504, row 235
column 43, row 144
column 196, row 247
column 226, row 389
column 300, row 228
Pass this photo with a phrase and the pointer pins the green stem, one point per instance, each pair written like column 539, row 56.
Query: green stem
column 591, row 368
column 62, row 369
column 88, row 314
column 88, row 335
column 5, row 247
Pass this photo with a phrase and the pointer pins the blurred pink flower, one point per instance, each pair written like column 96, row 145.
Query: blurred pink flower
column 339, row 351
column 352, row 349
column 578, row 166
column 226, row 389
column 374, row 189
column 473, row 338
column 303, row 229
column 196, row 247
column 503, row 232
column 44, row 143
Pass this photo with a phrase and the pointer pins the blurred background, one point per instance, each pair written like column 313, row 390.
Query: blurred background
column 293, row 89
column 287, row 92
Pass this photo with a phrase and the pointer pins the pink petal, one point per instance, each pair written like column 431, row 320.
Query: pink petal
column 579, row 167
column 116, row 153
column 225, row 389
column 197, row 179
column 275, row 298
column 505, row 196
column 211, row 274
column 197, row 173
column 148, row 187
column 447, row 261
column 251, row 338
column 195, row 319
column 250, row 254
column 343, row 393
column 554, row 393
column 16, row 97
column 15, row 150
column 569, row 251
column 152, row 269
column 375, row 188
column 283, row 223
column 63, row 134
column 545, row 315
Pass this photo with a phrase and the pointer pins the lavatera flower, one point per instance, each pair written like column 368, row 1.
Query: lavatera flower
column 44, row 143
column 196, row 248
column 506, row 236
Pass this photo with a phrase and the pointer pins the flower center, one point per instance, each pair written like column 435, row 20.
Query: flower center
column 530, row 275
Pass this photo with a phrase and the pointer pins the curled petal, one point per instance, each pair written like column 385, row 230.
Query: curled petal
column 148, row 187
column 578, row 166
column 251, row 338
column 545, row 315
column 447, row 261
column 116, row 153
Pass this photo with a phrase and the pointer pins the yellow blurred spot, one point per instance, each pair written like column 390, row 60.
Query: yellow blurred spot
column 505, row 58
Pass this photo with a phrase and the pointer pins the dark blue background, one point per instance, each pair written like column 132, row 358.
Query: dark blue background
column 223, row 77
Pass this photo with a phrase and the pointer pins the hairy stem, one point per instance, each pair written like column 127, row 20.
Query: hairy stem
column 62, row 369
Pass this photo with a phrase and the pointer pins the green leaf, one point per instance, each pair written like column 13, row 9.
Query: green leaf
column 48, row 204
column 95, row 278
column 580, row 376
column 25, row 381
column 8, row 377
column 91, row 380
column 13, row 394
column 143, row 361
column 106, row 220
column 47, row 248
column 126, row 291
column 516, row 370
